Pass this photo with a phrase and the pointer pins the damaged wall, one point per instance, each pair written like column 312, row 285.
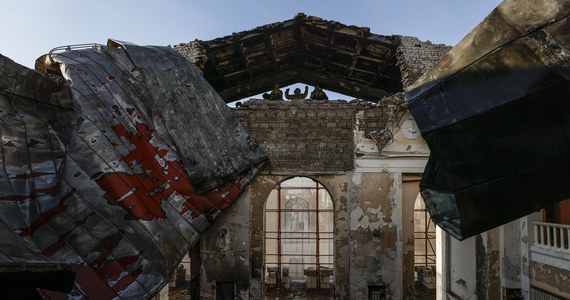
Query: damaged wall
column 462, row 269
column 505, row 263
column 374, row 236
column 510, row 255
column 232, row 250
column 224, row 252
column 552, row 279
column 309, row 137
column 415, row 57
column 473, row 269
column 336, row 185
column 365, row 239
column 233, row 65
column 320, row 140
column 356, row 149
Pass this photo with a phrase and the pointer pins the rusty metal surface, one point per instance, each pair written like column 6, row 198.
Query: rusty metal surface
column 495, row 114
column 117, row 168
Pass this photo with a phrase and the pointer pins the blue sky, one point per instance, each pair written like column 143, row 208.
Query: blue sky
column 33, row 27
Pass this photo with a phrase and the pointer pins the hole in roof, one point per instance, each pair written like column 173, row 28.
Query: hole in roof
column 330, row 94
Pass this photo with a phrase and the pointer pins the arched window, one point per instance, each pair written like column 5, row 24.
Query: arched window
column 424, row 245
column 299, row 236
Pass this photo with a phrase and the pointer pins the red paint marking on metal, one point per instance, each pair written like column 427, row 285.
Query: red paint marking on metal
column 104, row 248
column 48, row 214
column 141, row 194
column 124, row 282
column 111, row 269
column 53, row 248
column 53, row 295
column 52, row 191
column 91, row 284
column 32, row 194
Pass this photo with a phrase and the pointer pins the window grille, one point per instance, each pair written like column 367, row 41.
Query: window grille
column 299, row 236
column 538, row 294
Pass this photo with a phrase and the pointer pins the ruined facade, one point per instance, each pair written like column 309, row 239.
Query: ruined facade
column 107, row 175
column 366, row 155
column 356, row 150
column 369, row 157
column 483, row 172
column 327, row 142
column 346, row 59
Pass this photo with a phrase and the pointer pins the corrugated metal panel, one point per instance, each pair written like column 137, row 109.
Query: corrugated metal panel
column 118, row 172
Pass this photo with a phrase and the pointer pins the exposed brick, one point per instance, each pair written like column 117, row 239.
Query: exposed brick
column 415, row 57
column 307, row 136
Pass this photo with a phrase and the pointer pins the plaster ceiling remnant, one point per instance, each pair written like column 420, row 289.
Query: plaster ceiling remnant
column 495, row 115
column 108, row 168
column 346, row 59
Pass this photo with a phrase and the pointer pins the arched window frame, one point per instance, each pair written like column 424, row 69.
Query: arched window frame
column 320, row 268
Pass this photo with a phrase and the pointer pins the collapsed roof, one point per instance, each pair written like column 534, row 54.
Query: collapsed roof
column 346, row 59
column 131, row 182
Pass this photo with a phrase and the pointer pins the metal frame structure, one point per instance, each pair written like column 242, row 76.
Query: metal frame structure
column 427, row 235
column 314, row 234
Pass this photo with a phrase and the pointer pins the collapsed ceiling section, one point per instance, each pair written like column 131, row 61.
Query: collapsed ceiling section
column 112, row 169
column 345, row 59
column 496, row 116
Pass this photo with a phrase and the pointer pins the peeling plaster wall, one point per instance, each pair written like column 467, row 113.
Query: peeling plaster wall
column 461, row 273
column 484, row 266
column 368, row 203
column 511, row 255
column 525, row 243
column 367, row 231
column 488, row 263
column 260, row 190
column 551, row 279
column 373, row 236
column 474, row 267
column 225, row 251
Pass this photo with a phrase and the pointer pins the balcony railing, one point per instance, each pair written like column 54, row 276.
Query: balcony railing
column 551, row 244
column 552, row 236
